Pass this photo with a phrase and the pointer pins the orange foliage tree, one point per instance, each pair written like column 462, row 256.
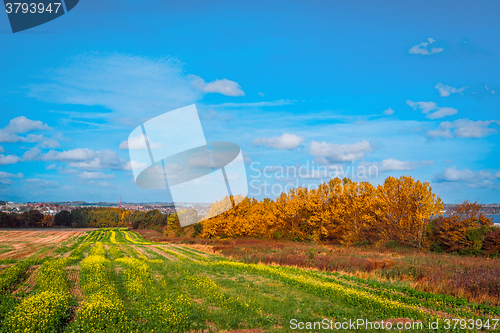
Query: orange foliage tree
column 340, row 211
column 48, row 221
column 463, row 228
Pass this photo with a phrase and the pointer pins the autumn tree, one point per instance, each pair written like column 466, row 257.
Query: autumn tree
column 463, row 228
column 404, row 210
column 47, row 221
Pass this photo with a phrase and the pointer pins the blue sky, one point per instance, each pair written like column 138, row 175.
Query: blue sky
column 410, row 88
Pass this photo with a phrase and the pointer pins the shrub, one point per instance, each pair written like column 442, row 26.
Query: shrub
column 436, row 247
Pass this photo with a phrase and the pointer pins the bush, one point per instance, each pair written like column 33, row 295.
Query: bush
column 436, row 247
column 491, row 242
column 391, row 244
column 198, row 229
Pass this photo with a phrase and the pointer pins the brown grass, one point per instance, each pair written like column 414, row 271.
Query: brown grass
column 152, row 235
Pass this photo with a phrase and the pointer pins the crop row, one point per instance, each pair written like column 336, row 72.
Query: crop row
column 128, row 238
column 407, row 295
column 158, row 311
column 348, row 295
column 48, row 309
column 13, row 274
column 102, row 309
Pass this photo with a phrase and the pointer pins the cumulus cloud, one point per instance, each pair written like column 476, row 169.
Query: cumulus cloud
column 6, row 177
column 20, row 125
column 388, row 112
column 104, row 159
column 139, row 143
column 78, row 154
column 431, row 109
column 392, row 164
column 9, row 159
column 330, row 153
column 224, row 86
column 131, row 86
column 86, row 175
column 134, row 165
column 445, row 90
column 286, row 141
column 31, row 154
column 476, row 179
column 464, row 128
column 2, row 150
column 49, row 143
column 87, row 159
column 423, row 48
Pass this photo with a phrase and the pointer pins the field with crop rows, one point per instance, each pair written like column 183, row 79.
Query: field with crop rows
column 112, row 280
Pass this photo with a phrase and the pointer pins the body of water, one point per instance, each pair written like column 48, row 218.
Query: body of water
column 496, row 218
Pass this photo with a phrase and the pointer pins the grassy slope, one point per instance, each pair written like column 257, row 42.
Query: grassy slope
column 185, row 290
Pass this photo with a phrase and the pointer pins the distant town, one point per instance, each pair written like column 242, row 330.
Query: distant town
column 52, row 208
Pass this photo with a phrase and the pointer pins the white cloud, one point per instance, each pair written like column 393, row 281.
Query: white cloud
column 392, row 164
column 395, row 165
column 452, row 175
column 49, row 143
column 224, row 86
column 104, row 159
column 445, row 90
column 31, row 154
column 427, row 107
column 442, row 112
column 95, row 175
column 20, row 125
column 87, row 159
column 131, row 86
column 464, row 128
column 388, row 112
column 6, row 177
column 134, row 165
column 9, row 159
column 286, row 141
column 139, row 143
column 423, row 49
column 474, row 179
column 261, row 94
column 2, row 150
column 79, row 154
column 4, row 174
column 330, row 153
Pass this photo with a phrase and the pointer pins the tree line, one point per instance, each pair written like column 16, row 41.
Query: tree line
column 91, row 218
column 401, row 211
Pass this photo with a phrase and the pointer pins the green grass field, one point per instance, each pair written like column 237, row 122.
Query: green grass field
column 112, row 280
